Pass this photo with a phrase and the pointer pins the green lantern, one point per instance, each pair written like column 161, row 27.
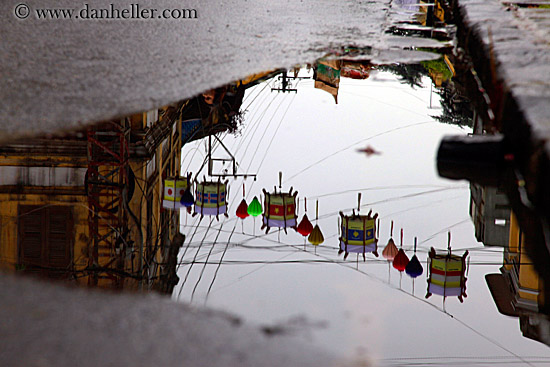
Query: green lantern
column 255, row 208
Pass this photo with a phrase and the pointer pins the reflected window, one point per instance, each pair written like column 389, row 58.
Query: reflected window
column 44, row 240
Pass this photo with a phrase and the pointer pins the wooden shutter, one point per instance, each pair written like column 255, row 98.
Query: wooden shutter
column 45, row 240
column 30, row 237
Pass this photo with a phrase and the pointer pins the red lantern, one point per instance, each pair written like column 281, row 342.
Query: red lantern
column 401, row 259
column 242, row 210
column 305, row 227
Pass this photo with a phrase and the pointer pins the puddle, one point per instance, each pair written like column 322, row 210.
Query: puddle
column 397, row 263
column 380, row 140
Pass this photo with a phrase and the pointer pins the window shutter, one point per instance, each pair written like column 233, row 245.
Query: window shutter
column 58, row 241
column 45, row 239
column 30, row 236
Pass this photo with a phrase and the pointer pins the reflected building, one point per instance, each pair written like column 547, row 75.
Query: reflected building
column 326, row 74
column 218, row 110
column 519, row 290
column 86, row 207
column 490, row 213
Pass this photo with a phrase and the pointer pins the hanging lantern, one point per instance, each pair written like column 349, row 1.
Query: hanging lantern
column 414, row 268
column 401, row 260
column 304, row 227
column 174, row 189
column 280, row 209
column 358, row 233
column 316, row 236
column 447, row 274
column 211, row 198
column 255, row 208
column 187, row 199
column 242, row 209
column 390, row 251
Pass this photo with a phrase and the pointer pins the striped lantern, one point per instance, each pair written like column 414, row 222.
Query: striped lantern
column 211, row 198
column 279, row 210
column 174, row 189
column 447, row 274
column 358, row 234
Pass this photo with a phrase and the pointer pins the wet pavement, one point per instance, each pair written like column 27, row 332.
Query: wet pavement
column 95, row 328
column 61, row 74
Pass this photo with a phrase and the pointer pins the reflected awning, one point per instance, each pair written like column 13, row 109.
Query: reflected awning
column 500, row 290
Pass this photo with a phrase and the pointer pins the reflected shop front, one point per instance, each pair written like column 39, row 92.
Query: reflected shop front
column 364, row 201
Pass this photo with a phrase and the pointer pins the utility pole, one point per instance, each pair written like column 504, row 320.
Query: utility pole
column 285, row 83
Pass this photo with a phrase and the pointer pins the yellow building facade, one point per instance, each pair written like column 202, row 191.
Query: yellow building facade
column 69, row 210
column 527, row 285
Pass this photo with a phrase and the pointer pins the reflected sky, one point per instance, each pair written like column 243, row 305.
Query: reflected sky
column 359, row 309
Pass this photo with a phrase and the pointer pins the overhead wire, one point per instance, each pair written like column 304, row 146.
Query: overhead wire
column 264, row 133
column 192, row 263
column 254, row 126
column 235, row 226
column 354, row 144
column 205, row 262
column 219, row 266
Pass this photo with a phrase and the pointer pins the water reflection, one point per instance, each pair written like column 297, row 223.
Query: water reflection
column 274, row 277
column 86, row 207
column 375, row 147
column 502, row 214
column 518, row 290
column 128, row 204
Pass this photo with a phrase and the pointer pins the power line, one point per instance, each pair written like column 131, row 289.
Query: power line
column 204, row 267
column 193, row 262
column 354, row 144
